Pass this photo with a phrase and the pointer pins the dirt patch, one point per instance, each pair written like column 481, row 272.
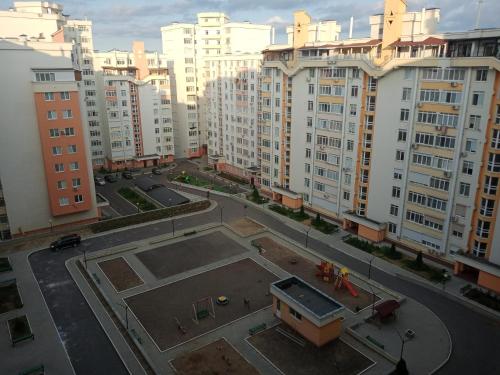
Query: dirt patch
column 216, row 358
column 9, row 297
column 120, row 274
column 246, row 227
column 337, row 357
column 189, row 254
column 158, row 309
column 302, row 267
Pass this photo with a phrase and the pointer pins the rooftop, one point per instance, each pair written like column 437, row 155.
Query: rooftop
column 308, row 297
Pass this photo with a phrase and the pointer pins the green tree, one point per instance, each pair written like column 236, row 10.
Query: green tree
column 318, row 219
column 302, row 213
column 255, row 195
column 419, row 262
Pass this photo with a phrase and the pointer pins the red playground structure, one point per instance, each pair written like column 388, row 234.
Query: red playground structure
column 342, row 280
column 325, row 271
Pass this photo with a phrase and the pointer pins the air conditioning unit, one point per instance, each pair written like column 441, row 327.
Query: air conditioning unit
column 447, row 174
column 463, row 154
column 414, row 146
column 420, row 104
column 454, row 84
column 456, row 107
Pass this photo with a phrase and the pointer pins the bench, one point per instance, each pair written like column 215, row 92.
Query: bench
column 256, row 329
column 373, row 341
column 38, row 370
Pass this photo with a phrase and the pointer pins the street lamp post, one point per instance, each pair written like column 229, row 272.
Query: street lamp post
column 173, row 227
column 307, row 236
column 126, row 314
column 138, row 207
column 446, row 277
column 370, row 267
column 373, row 300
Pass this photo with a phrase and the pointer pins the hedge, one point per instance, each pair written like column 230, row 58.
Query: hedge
column 143, row 217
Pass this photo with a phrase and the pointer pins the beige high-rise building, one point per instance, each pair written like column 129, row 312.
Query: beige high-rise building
column 395, row 135
column 187, row 47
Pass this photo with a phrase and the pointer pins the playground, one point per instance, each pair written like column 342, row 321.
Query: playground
column 343, row 289
column 292, row 355
column 186, row 255
column 174, row 313
column 120, row 274
column 219, row 357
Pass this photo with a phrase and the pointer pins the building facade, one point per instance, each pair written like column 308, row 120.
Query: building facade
column 188, row 46
column 133, row 91
column 231, row 107
column 50, row 183
column 395, row 135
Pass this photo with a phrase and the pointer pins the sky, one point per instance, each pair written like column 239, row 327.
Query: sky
column 116, row 23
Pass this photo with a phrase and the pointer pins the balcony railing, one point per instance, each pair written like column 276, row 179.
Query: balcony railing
column 486, row 211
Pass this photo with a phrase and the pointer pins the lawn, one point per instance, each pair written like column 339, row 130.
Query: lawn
column 136, row 199
column 201, row 182
column 292, row 214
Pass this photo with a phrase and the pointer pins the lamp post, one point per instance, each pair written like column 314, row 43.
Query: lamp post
column 373, row 300
column 446, row 277
column 403, row 342
column 126, row 314
column 138, row 207
column 173, row 227
column 370, row 268
column 307, row 236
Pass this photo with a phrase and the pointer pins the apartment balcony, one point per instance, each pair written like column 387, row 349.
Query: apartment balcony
column 367, row 57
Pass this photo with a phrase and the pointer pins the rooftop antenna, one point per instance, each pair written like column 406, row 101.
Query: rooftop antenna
column 478, row 15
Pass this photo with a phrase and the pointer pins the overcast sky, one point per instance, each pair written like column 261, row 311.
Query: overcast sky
column 118, row 22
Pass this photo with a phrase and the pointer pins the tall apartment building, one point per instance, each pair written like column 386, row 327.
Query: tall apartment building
column 48, row 182
column 231, row 107
column 187, row 47
column 44, row 20
column 133, row 92
column 397, row 135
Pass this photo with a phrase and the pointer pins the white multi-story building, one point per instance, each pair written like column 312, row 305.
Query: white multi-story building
column 396, row 135
column 232, row 95
column 133, row 91
column 44, row 20
column 187, row 47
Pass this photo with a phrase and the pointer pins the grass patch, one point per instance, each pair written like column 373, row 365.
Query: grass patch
column 19, row 329
column 136, row 199
column 485, row 299
column 5, row 264
column 292, row 214
column 390, row 253
column 9, row 297
column 255, row 197
column 324, row 226
column 201, row 182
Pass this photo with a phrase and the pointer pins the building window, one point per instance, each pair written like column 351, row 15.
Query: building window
column 68, row 132
column 65, row 95
column 78, row 198
column 59, row 167
column 54, row 133
column 67, row 113
column 48, row 96
column 404, row 115
column 396, row 192
column 474, row 122
column 353, row 108
column 295, row 314
column 471, row 145
column 63, row 201
column 394, row 210
column 74, row 166
column 71, row 149
column 311, row 89
column 310, row 105
column 402, row 135
column 406, row 94
column 61, row 185
column 464, row 189
column 477, row 98
column 45, row 77
column 56, row 150
column 76, row 182
column 481, row 75
column 400, row 155
column 392, row 228
column 347, row 195
column 398, row 174
column 354, row 91
column 457, row 233
column 51, row 115
column 467, row 167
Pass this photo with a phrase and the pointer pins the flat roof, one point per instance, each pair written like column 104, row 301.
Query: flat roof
column 308, row 297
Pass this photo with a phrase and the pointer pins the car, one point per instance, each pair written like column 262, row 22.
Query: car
column 110, row 178
column 156, row 171
column 70, row 240
column 127, row 175
column 99, row 181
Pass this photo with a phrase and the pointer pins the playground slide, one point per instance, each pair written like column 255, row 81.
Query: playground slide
column 350, row 288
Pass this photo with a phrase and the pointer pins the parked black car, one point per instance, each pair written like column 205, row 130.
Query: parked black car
column 127, row 175
column 156, row 171
column 66, row 241
column 110, row 178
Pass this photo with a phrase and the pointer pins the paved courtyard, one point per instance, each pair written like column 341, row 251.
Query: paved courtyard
column 158, row 309
column 195, row 252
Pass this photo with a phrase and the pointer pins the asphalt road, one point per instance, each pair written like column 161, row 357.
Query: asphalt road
column 475, row 337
